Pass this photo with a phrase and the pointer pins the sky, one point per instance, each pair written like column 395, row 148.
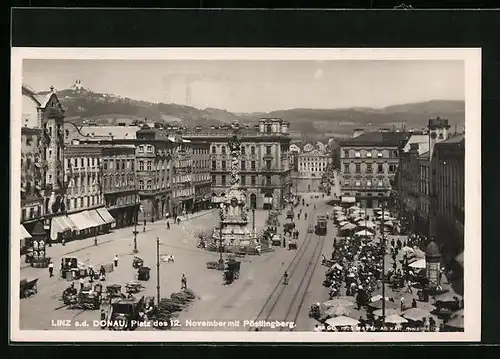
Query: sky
column 258, row 85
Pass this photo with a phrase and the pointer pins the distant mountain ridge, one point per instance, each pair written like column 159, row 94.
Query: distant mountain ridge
column 108, row 109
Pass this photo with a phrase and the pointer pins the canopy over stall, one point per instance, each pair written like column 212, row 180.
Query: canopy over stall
column 24, row 233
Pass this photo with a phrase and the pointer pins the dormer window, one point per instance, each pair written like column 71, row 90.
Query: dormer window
column 141, row 149
column 357, row 155
column 149, row 149
column 368, row 154
column 380, row 154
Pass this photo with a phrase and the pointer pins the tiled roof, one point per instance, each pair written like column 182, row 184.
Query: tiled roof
column 378, row 138
column 43, row 99
column 118, row 132
column 422, row 140
column 455, row 139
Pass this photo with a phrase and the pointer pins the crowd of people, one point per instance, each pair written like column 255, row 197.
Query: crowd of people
column 356, row 271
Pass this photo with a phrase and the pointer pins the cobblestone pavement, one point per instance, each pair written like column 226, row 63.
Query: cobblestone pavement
column 244, row 299
column 38, row 311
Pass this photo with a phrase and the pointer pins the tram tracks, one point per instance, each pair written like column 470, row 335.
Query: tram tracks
column 280, row 294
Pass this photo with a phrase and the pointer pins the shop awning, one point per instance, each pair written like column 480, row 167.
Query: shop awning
column 61, row 224
column 105, row 215
column 81, row 221
column 24, row 233
column 96, row 217
column 348, row 199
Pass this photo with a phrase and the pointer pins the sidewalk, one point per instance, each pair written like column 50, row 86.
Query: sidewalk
column 57, row 250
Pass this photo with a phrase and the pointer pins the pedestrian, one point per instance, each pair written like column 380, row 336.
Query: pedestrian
column 63, row 242
column 183, row 282
column 168, row 224
column 413, row 303
column 402, row 304
column 51, row 269
column 305, row 216
column 408, row 288
column 115, row 260
column 178, row 221
column 91, row 274
column 82, row 282
column 144, row 228
column 103, row 319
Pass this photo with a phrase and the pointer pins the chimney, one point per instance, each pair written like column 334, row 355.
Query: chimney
column 358, row 132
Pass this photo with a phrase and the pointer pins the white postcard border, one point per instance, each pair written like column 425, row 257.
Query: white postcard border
column 472, row 251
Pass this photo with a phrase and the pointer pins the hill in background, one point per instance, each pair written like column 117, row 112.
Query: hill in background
column 86, row 105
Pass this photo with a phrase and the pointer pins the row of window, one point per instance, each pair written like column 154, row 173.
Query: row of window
column 268, row 165
column 243, row 148
column 83, row 202
column 117, row 181
column 184, row 192
column 368, row 154
column 243, row 180
column 77, row 162
column 369, row 168
column 121, row 200
column 367, row 183
column 34, row 212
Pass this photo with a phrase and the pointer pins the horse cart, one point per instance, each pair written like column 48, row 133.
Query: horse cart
column 89, row 297
column 231, row 271
column 133, row 287
column 137, row 262
column 28, row 287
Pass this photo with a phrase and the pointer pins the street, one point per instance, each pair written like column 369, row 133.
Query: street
column 244, row 299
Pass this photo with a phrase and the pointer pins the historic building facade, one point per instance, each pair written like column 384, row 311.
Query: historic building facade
column 154, row 154
column 264, row 165
column 119, row 186
column 415, row 177
column 448, row 162
column 369, row 164
column 32, row 175
column 42, row 156
column 201, row 175
column 311, row 169
column 183, row 189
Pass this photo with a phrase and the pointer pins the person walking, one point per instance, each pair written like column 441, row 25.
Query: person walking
column 183, row 282
column 413, row 303
column 402, row 301
column 115, row 260
column 103, row 319
column 51, row 269
column 168, row 224
column 82, row 282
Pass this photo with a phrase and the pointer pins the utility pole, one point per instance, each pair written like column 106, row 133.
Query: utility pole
column 158, row 269
column 253, row 220
column 136, row 215
column 221, row 261
column 383, row 264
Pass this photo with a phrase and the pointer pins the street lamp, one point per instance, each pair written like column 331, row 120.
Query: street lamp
column 221, row 261
column 383, row 264
column 253, row 220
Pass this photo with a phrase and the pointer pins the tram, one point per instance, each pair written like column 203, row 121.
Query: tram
column 321, row 225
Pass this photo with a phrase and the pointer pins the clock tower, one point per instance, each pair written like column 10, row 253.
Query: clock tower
column 439, row 130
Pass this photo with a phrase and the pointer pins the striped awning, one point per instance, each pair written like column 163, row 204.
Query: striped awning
column 82, row 221
column 24, row 233
column 95, row 217
column 105, row 215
